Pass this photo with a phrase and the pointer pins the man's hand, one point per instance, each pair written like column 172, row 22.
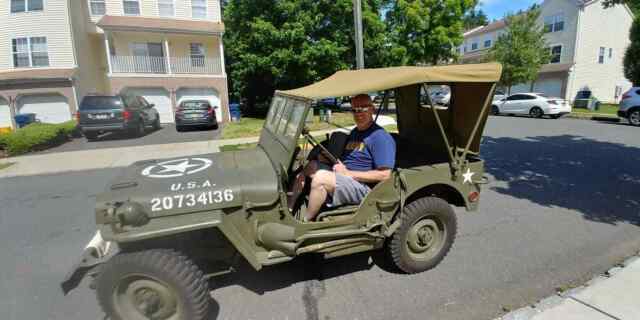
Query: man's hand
column 341, row 168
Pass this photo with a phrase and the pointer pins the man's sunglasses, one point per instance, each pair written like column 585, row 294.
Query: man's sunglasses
column 359, row 109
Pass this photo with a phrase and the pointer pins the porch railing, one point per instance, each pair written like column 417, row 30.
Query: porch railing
column 158, row 65
column 195, row 65
column 138, row 64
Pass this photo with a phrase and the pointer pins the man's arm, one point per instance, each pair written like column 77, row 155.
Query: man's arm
column 370, row 176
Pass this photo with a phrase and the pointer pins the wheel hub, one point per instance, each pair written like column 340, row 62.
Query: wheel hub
column 147, row 301
column 423, row 236
column 140, row 297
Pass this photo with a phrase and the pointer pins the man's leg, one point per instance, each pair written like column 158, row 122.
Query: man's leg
column 323, row 183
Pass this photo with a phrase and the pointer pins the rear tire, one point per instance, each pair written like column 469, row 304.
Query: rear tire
column 152, row 284
column 179, row 129
column 495, row 110
column 427, row 231
column 634, row 117
column 536, row 112
column 156, row 124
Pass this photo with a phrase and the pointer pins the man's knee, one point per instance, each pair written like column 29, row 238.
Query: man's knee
column 324, row 178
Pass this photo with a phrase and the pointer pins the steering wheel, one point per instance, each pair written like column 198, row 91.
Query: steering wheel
column 322, row 150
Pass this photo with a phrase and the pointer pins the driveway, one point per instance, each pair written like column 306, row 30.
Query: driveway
column 167, row 134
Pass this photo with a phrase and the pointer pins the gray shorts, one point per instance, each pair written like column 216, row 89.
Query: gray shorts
column 348, row 191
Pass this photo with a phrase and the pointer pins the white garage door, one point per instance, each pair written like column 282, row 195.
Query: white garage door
column 49, row 108
column 5, row 114
column 201, row 94
column 159, row 97
column 550, row 87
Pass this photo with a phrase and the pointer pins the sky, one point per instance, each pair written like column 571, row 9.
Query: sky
column 496, row 9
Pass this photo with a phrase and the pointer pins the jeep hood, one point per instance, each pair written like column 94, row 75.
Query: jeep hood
column 195, row 183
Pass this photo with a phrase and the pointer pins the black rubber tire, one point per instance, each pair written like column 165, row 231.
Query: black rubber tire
column 139, row 130
column 215, row 126
column 634, row 117
column 418, row 210
column 495, row 110
column 179, row 129
column 536, row 112
column 169, row 266
column 156, row 124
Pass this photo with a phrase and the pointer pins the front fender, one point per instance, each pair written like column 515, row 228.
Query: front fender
column 173, row 225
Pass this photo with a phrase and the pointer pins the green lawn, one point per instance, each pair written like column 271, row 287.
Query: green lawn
column 611, row 109
column 5, row 165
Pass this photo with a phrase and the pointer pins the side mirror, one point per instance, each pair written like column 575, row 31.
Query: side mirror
column 151, row 105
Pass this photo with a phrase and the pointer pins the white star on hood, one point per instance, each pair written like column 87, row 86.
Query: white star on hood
column 181, row 167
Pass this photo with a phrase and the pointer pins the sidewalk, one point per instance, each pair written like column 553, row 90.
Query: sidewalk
column 615, row 295
column 30, row 165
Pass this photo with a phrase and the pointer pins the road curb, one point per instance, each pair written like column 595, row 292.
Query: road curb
column 596, row 117
column 531, row 311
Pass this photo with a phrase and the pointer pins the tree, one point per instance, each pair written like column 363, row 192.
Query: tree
column 475, row 18
column 634, row 5
column 521, row 50
column 282, row 44
column 632, row 55
column 425, row 31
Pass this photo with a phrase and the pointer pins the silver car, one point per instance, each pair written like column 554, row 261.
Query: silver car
column 630, row 106
column 534, row 104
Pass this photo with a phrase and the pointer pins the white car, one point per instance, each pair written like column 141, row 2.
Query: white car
column 533, row 104
column 441, row 98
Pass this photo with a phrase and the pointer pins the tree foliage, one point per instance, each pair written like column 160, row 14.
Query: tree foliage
column 284, row 44
column 425, row 31
column 634, row 5
column 475, row 18
column 632, row 55
column 521, row 50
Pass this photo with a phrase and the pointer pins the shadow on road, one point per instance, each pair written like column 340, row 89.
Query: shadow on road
column 597, row 179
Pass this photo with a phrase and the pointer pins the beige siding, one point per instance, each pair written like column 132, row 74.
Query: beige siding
column 52, row 22
column 91, row 75
column 567, row 36
column 149, row 8
column 607, row 28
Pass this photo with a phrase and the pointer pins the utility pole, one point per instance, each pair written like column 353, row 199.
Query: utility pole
column 357, row 20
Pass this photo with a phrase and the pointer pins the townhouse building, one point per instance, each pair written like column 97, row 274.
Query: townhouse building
column 61, row 50
column 587, row 45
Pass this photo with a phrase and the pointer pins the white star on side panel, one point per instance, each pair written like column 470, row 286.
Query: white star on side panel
column 468, row 175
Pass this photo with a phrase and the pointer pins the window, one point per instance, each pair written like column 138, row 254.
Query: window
column 131, row 7
column 26, row 5
column 554, row 23
column 601, row 55
column 487, row 43
column 165, row 8
column 199, row 9
column 474, row 46
column 556, row 54
column 139, row 49
column 197, row 55
column 98, row 8
column 30, row 52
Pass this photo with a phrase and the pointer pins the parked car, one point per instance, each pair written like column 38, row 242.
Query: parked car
column 630, row 106
column 533, row 104
column 329, row 102
column 120, row 113
column 192, row 113
column 441, row 97
column 498, row 95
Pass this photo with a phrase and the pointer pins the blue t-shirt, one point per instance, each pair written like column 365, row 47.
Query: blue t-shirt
column 369, row 149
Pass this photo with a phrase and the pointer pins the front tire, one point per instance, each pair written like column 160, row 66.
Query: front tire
column 156, row 124
column 154, row 284
column 91, row 136
column 495, row 110
column 427, row 231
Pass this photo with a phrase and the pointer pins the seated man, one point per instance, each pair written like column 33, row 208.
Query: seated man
column 368, row 157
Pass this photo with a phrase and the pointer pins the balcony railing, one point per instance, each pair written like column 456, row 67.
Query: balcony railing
column 158, row 65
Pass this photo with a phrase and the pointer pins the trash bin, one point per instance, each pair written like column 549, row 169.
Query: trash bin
column 25, row 119
column 234, row 111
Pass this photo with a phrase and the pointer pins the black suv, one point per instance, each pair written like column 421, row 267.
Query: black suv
column 120, row 113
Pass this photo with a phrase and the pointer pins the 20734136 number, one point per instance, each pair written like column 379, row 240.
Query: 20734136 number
column 191, row 200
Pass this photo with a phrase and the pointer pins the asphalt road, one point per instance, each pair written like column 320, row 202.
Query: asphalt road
column 167, row 134
column 563, row 206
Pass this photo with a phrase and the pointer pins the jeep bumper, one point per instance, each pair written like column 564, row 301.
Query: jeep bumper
column 93, row 255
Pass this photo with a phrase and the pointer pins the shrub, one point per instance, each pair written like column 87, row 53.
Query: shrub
column 36, row 136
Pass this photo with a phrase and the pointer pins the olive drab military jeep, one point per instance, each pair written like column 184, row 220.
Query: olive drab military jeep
column 178, row 222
